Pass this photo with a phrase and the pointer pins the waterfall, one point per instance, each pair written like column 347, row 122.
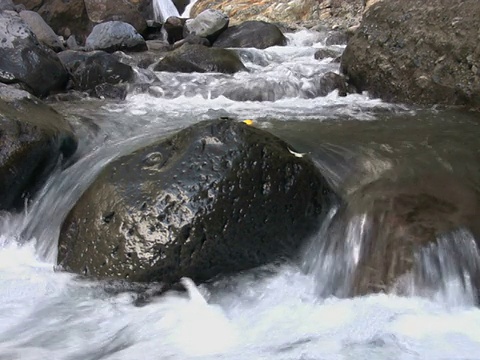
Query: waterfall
column 163, row 9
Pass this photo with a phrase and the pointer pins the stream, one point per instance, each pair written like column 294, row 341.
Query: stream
column 279, row 311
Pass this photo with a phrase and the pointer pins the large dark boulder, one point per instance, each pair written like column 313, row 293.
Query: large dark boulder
column 89, row 70
column 422, row 52
column 251, row 34
column 25, row 61
column 216, row 198
column 111, row 36
column 199, row 58
column 33, row 137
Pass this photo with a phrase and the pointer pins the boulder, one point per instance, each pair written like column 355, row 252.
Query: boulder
column 216, row 198
column 336, row 38
column 33, row 137
column 111, row 36
column 7, row 5
column 174, row 28
column 65, row 17
column 251, row 34
column 208, row 24
column 417, row 52
column 199, row 58
column 323, row 53
column 100, row 11
column 88, row 70
column 406, row 217
column 42, row 31
column 331, row 81
column 25, row 61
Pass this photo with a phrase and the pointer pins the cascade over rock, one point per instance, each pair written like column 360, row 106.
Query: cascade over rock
column 25, row 61
column 417, row 52
column 33, row 138
column 216, row 198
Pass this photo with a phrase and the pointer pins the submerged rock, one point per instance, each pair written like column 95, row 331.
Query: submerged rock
column 198, row 58
column 23, row 60
column 115, row 35
column 256, row 34
column 33, row 137
column 417, row 52
column 216, row 198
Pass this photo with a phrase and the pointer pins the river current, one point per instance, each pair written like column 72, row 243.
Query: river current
column 274, row 312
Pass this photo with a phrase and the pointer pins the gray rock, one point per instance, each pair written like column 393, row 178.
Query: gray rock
column 7, row 5
column 208, row 24
column 216, row 198
column 256, row 34
column 33, row 138
column 325, row 53
column 42, row 31
column 88, row 70
column 199, row 58
column 417, row 52
column 115, row 35
column 72, row 43
column 25, row 61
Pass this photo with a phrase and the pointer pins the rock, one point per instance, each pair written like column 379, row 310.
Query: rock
column 216, row 198
column 192, row 39
column 100, row 11
column 422, row 53
column 336, row 38
column 198, row 58
column 23, row 60
column 33, row 138
column 115, row 35
column 88, row 70
column 323, row 53
column 65, row 17
column 340, row 13
column 174, row 29
column 256, row 34
column 111, row 91
column 332, row 81
column 42, row 31
column 181, row 5
column 408, row 217
column 72, row 43
column 7, row 5
column 208, row 24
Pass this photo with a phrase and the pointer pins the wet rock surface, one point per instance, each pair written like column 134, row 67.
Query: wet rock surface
column 216, row 198
column 418, row 52
column 88, row 70
column 25, row 61
column 255, row 34
column 33, row 137
column 42, row 31
column 199, row 58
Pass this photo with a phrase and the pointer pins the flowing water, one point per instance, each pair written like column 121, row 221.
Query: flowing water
column 279, row 311
column 163, row 9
